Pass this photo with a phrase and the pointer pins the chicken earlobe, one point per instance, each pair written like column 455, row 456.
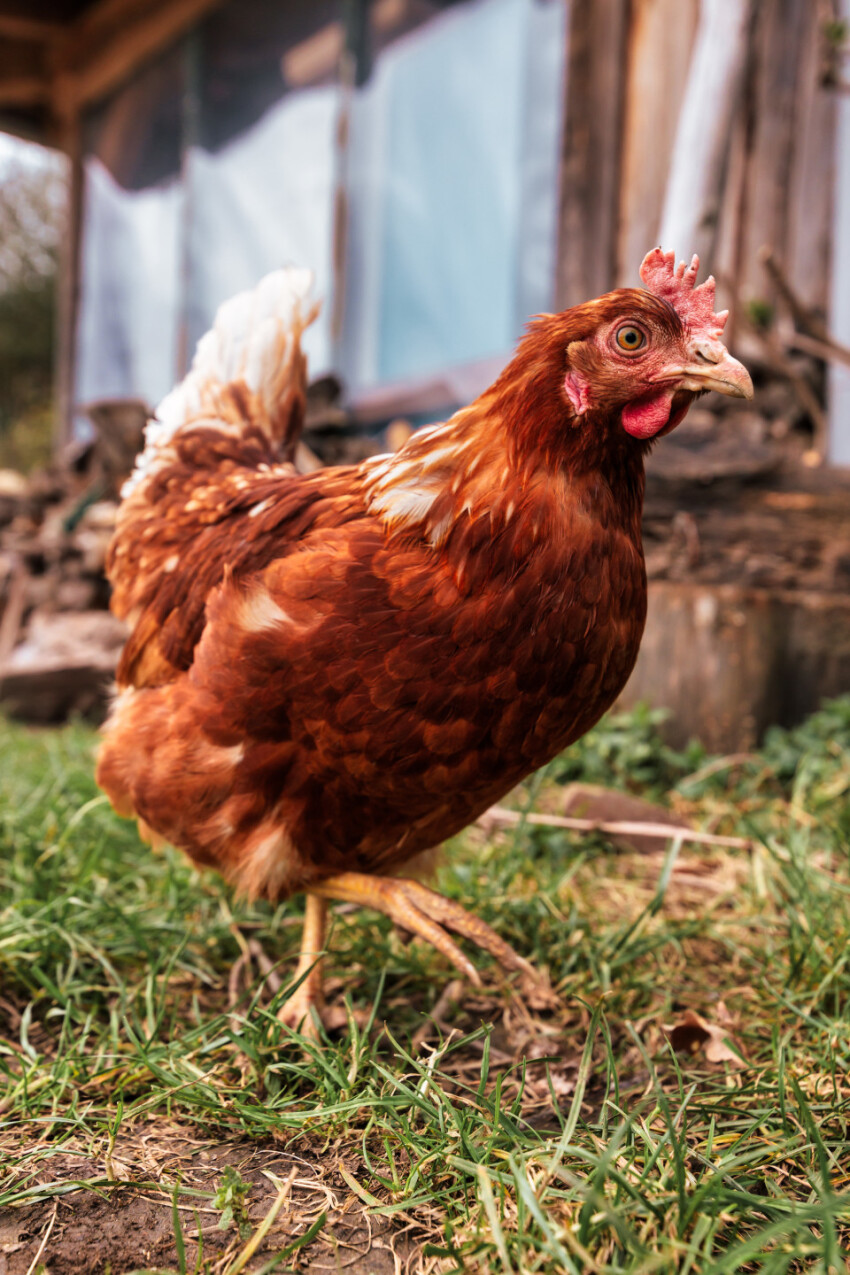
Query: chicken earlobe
column 578, row 392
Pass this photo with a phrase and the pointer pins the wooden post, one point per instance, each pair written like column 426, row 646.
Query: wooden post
column 590, row 165
column 661, row 37
column 696, row 182
column 190, row 138
column 839, row 377
column 68, row 291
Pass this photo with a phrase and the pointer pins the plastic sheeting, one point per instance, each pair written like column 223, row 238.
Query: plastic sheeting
column 127, row 328
column 265, row 201
column 154, row 260
column 451, row 183
column 454, row 164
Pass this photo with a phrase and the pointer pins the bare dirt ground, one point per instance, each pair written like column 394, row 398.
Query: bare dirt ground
column 131, row 1227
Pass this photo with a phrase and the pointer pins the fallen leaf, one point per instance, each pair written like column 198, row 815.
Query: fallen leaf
column 693, row 1033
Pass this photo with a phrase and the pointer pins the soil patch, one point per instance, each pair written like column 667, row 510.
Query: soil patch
column 128, row 1225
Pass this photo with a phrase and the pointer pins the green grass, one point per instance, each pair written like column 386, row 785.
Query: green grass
column 510, row 1138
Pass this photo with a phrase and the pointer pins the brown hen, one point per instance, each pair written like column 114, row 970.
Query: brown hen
column 329, row 673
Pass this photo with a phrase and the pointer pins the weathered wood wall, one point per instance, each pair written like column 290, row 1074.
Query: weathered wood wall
column 590, row 164
column 787, row 136
column 628, row 66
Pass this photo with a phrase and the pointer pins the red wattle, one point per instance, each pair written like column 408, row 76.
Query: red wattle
column 646, row 416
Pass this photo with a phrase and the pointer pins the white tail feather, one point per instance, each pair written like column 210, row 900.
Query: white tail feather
column 251, row 342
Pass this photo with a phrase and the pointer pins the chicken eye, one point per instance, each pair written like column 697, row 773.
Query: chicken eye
column 630, row 338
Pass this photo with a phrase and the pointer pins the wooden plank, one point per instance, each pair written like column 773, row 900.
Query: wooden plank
column 590, row 165
column 83, row 77
column 812, row 183
column 780, row 32
column 659, row 50
column 733, row 213
column 695, row 189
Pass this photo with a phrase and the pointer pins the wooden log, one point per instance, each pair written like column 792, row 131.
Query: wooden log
column 65, row 665
column 46, row 696
column 729, row 661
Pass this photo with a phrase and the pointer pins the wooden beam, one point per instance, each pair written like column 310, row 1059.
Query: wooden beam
column 24, row 90
column 102, row 21
column 35, row 30
column 67, row 307
column 316, row 57
column 590, row 166
column 84, row 74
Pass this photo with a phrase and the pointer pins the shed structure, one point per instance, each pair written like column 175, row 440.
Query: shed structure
column 446, row 167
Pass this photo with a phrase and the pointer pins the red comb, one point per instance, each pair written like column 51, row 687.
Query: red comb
column 676, row 284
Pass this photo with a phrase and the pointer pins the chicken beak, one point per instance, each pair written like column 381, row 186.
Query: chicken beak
column 713, row 368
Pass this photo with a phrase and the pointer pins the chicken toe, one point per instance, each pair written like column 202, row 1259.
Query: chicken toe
column 428, row 915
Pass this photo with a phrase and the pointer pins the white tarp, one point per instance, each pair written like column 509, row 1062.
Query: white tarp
column 454, row 175
column 129, row 312
column 452, row 196
column 264, row 201
column 261, row 202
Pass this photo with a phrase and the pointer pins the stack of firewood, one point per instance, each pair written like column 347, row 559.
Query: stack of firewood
column 59, row 644
column 58, row 641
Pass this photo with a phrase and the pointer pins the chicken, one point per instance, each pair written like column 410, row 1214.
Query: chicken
column 329, row 673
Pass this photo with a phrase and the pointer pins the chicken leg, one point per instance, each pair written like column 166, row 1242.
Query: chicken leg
column 413, row 907
column 295, row 1012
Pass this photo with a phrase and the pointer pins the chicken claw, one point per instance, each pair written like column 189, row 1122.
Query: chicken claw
column 426, row 914
column 413, row 907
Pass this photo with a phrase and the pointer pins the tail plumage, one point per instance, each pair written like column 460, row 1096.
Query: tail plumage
column 248, row 371
column 231, row 425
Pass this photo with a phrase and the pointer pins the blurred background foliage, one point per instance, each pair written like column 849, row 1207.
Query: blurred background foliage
column 31, row 221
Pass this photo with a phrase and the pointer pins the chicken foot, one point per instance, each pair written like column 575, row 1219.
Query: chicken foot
column 426, row 914
column 413, row 907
